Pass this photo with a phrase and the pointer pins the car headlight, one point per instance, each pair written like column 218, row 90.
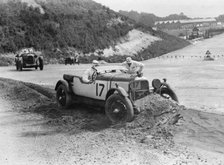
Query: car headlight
column 156, row 83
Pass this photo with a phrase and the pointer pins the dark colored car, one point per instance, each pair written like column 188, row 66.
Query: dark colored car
column 28, row 59
column 71, row 60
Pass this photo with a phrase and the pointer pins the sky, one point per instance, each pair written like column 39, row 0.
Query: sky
column 191, row 8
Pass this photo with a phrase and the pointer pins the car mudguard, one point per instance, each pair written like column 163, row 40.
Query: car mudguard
column 65, row 83
column 120, row 90
column 41, row 57
column 170, row 92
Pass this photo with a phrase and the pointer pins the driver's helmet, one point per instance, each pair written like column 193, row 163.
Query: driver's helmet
column 95, row 63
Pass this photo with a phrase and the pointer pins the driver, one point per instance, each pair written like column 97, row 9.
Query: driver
column 132, row 66
column 89, row 73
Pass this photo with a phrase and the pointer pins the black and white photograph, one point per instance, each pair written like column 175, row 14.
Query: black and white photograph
column 108, row 82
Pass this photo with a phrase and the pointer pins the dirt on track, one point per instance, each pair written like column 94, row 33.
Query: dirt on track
column 34, row 131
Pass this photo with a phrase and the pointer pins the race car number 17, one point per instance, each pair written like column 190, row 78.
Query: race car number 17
column 99, row 89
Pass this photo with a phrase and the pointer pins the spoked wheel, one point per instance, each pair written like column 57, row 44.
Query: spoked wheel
column 119, row 109
column 94, row 75
column 169, row 94
column 64, row 99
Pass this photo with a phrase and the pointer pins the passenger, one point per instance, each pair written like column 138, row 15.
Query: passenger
column 88, row 76
column 133, row 67
column 30, row 50
column 25, row 51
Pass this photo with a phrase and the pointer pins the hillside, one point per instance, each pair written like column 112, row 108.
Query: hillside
column 149, row 19
column 78, row 26
column 74, row 23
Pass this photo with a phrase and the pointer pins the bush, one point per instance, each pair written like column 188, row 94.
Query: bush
column 6, row 61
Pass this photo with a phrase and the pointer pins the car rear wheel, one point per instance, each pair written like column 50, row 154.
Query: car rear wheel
column 64, row 99
column 169, row 94
column 119, row 109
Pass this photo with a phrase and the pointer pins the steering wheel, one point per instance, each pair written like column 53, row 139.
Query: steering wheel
column 94, row 75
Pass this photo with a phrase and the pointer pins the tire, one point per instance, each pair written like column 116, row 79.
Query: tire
column 94, row 75
column 169, row 94
column 64, row 99
column 20, row 66
column 41, row 64
column 119, row 109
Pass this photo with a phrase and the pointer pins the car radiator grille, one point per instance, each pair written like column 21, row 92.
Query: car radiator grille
column 29, row 60
column 139, row 89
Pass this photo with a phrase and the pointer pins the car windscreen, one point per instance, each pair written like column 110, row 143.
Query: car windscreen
column 109, row 69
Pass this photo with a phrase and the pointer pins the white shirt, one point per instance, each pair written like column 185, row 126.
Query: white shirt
column 134, row 67
column 87, row 76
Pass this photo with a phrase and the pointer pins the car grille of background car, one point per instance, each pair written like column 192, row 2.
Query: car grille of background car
column 30, row 60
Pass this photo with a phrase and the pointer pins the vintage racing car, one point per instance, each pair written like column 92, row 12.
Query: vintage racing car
column 27, row 58
column 208, row 58
column 112, row 89
column 71, row 60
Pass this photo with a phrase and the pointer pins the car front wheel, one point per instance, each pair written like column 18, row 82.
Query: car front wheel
column 64, row 99
column 20, row 66
column 119, row 109
column 41, row 65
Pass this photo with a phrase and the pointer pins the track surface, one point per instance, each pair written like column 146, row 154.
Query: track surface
column 34, row 138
